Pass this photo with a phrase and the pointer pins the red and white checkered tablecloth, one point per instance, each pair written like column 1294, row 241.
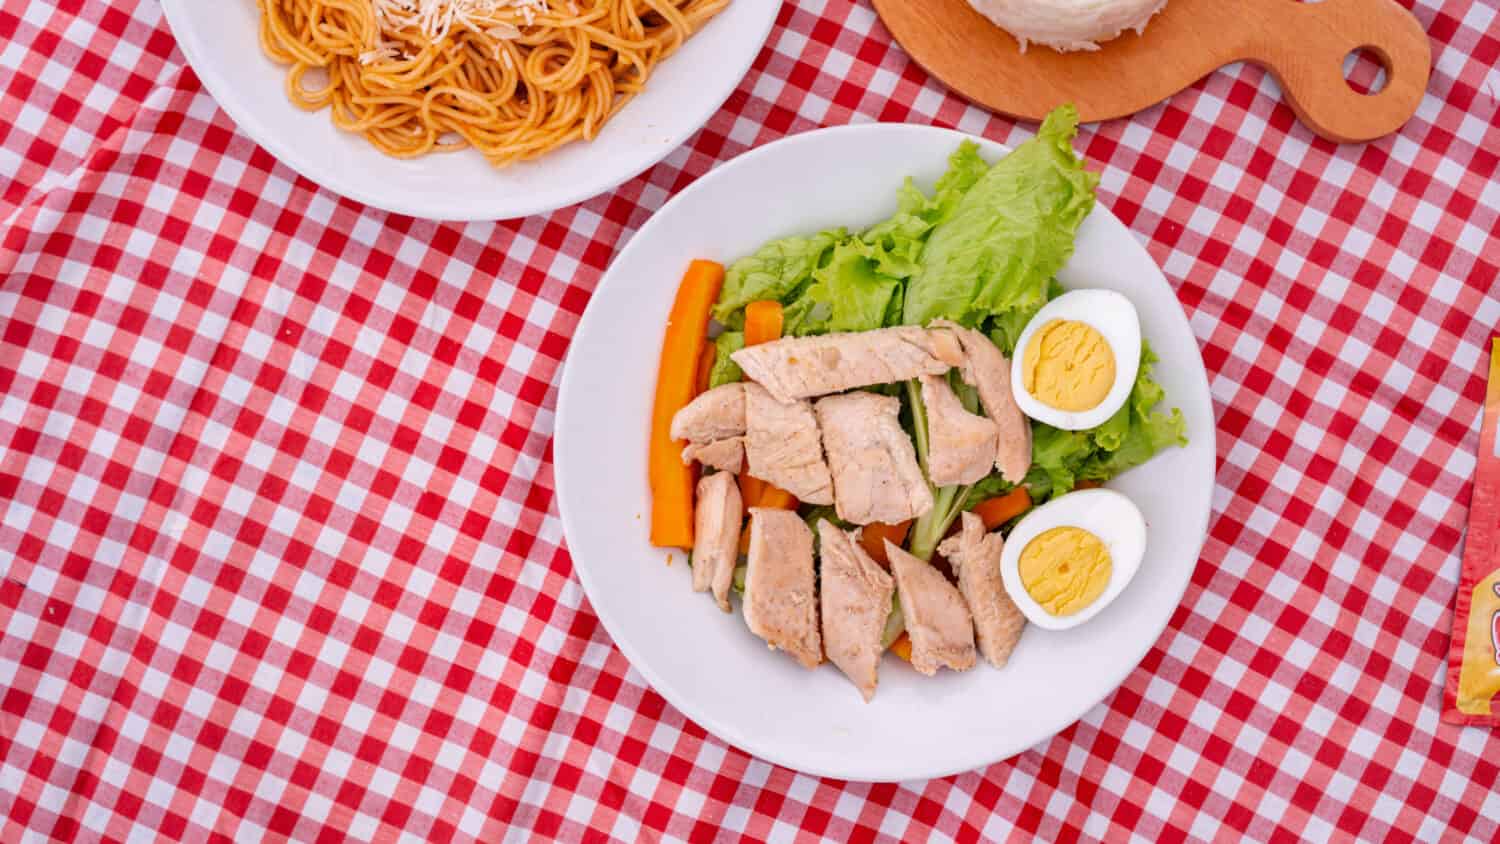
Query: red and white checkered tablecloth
column 278, row 539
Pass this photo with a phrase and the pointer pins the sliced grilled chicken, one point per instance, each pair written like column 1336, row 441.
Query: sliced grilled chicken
column 727, row 455
column 805, row 367
column 856, row 598
column 975, row 556
column 961, row 446
column 714, row 415
column 987, row 370
column 937, row 620
column 783, row 447
column 875, row 473
column 716, row 535
column 781, row 603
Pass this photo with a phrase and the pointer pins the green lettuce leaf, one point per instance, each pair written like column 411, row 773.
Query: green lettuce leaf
column 725, row 370
column 894, row 245
column 849, row 293
column 1006, row 328
column 1056, row 458
column 819, row 513
column 1133, row 435
column 1008, row 234
column 965, row 168
column 835, row 281
column 985, row 488
column 775, row 271
column 1137, row 432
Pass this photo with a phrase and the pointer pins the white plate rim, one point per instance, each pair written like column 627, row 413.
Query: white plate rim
column 963, row 761
column 216, row 81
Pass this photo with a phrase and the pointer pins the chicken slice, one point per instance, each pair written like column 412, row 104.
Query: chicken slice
column 783, row 447
column 856, row 598
column 875, row 473
column 727, row 455
column 781, row 605
column 987, row 370
column 961, row 446
column 937, row 620
column 716, row 535
column 975, row 556
column 714, row 415
column 804, row 367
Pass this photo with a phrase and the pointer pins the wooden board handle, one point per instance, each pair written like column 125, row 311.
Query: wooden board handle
column 1304, row 45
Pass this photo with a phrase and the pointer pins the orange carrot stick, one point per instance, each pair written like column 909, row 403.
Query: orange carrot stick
column 777, row 498
column 768, row 496
column 1002, row 508
column 705, row 366
column 676, row 380
column 874, row 535
column 902, row 646
column 751, row 490
column 763, row 321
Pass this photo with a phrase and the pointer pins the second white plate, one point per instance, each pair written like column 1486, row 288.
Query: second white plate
column 222, row 44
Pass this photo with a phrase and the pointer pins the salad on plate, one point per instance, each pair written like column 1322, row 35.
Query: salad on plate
column 895, row 438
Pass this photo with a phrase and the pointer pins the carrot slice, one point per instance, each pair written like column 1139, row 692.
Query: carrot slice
column 706, row 360
column 902, row 647
column 776, row 498
column 751, row 490
column 874, row 535
column 763, row 321
column 765, row 495
column 1002, row 508
column 672, row 480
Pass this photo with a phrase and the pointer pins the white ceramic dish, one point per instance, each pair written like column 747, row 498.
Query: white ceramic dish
column 221, row 43
column 707, row 663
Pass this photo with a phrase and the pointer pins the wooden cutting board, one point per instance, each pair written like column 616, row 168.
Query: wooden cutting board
column 1303, row 44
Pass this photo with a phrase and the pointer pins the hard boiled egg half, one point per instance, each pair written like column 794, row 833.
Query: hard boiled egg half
column 1076, row 361
column 1067, row 559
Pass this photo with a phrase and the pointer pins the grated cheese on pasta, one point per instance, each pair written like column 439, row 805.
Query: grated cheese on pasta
column 435, row 18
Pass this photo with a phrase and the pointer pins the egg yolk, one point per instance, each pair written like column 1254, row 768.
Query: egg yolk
column 1065, row 569
column 1068, row 365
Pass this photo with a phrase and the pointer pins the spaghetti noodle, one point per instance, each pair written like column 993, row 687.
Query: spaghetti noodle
column 511, row 78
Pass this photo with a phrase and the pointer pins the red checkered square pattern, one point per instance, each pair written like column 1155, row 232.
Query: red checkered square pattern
column 279, row 549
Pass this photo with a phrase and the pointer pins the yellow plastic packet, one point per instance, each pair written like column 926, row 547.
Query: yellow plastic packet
column 1472, row 695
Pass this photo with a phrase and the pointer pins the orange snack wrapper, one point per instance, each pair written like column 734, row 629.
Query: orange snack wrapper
column 1472, row 694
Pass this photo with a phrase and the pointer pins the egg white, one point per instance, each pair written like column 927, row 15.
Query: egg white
column 1108, row 313
column 1106, row 514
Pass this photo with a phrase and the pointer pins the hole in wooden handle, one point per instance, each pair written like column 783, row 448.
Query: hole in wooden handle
column 1367, row 70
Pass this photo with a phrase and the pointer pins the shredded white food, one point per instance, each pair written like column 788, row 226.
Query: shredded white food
column 383, row 51
column 1066, row 25
column 434, row 18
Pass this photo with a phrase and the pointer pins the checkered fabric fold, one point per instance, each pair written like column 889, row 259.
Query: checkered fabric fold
column 278, row 539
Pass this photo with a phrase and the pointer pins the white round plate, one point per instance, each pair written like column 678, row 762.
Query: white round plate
column 707, row 663
column 221, row 42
